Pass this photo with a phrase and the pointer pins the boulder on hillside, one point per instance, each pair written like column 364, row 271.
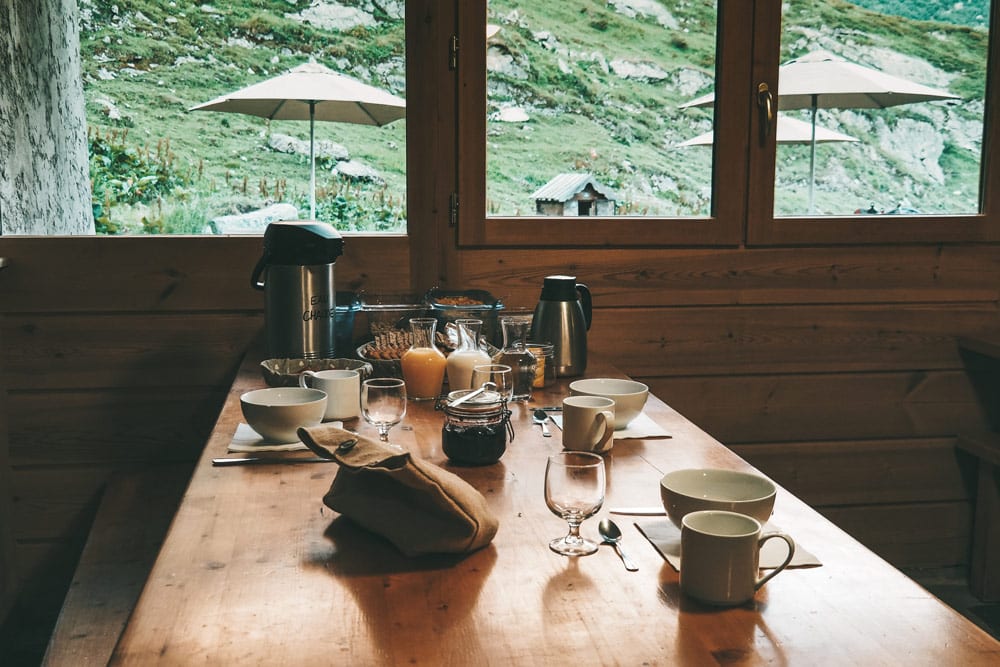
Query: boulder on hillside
column 357, row 171
column 324, row 148
column 253, row 222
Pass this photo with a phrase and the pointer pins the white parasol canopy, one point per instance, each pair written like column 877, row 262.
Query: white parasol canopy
column 823, row 80
column 312, row 92
column 790, row 131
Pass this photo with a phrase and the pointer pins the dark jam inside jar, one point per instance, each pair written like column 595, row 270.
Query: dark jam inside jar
column 476, row 431
column 474, row 445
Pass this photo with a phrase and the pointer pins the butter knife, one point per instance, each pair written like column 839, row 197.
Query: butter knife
column 257, row 460
column 639, row 511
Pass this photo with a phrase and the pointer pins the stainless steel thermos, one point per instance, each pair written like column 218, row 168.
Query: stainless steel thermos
column 295, row 273
column 562, row 317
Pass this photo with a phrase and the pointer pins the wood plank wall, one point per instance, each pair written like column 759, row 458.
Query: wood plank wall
column 117, row 353
column 832, row 369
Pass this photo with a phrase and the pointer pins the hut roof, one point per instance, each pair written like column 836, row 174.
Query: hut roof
column 563, row 186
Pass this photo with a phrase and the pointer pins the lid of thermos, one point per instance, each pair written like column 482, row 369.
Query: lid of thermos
column 297, row 244
column 559, row 288
column 302, row 243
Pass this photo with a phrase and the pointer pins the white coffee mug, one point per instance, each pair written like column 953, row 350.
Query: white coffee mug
column 588, row 423
column 343, row 391
column 720, row 552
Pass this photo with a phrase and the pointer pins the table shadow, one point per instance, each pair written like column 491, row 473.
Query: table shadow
column 740, row 632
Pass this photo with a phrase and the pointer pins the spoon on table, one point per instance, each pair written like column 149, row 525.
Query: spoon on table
column 540, row 417
column 613, row 535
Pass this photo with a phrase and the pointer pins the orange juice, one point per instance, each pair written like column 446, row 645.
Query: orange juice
column 423, row 371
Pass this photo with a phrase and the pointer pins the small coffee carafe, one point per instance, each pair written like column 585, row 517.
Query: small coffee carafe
column 296, row 274
column 562, row 317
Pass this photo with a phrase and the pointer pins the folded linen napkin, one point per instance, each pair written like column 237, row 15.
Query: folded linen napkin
column 248, row 440
column 418, row 506
column 642, row 426
column 666, row 537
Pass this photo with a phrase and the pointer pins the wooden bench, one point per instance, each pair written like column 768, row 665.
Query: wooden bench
column 984, row 567
column 982, row 362
column 132, row 520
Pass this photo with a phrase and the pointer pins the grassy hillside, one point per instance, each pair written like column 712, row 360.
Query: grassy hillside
column 562, row 63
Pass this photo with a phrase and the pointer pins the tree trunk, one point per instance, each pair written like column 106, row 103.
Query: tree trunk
column 44, row 174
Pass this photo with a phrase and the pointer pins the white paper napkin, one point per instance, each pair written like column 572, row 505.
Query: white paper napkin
column 642, row 426
column 666, row 537
column 248, row 440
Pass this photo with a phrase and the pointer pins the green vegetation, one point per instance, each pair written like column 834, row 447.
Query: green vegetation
column 147, row 63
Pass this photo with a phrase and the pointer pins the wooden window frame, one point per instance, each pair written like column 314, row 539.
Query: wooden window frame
column 744, row 166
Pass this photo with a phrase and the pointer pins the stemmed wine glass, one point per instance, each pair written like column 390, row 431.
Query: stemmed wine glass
column 383, row 403
column 574, row 490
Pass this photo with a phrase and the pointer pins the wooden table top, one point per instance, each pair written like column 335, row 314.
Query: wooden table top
column 255, row 570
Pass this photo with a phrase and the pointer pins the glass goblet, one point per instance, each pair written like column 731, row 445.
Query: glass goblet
column 498, row 374
column 574, row 490
column 383, row 403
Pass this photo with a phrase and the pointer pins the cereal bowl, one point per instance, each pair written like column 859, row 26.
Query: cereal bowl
column 694, row 489
column 277, row 413
column 629, row 396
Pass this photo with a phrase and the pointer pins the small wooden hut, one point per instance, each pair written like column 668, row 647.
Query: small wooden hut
column 572, row 195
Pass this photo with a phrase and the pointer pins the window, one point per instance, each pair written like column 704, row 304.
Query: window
column 528, row 85
column 157, row 167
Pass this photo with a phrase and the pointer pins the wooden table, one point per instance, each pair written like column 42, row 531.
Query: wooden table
column 255, row 570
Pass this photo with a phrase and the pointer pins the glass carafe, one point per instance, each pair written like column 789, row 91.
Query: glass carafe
column 423, row 364
column 515, row 354
column 466, row 355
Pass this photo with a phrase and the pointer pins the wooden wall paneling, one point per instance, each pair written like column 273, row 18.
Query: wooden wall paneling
column 114, row 426
column 909, row 535
column 866, row 472
column 685, row 277
column 88, row 274
column 829, row 406
column 126, row 349
column 57, row 503
column 8, row 571
column 789, row 339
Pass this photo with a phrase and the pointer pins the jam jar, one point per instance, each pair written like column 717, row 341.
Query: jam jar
column 476, row 431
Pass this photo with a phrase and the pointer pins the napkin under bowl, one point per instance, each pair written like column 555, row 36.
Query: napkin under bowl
column 420, row 507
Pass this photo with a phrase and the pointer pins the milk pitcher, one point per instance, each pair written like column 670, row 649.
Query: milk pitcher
column 563, row 316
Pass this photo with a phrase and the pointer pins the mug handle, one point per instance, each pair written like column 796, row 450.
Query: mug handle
column 604, row 444
column 302, row 378
column 791, row 552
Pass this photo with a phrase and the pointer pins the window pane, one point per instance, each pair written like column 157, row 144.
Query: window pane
column 159, row 168
column 895, row 94
column 584, row 111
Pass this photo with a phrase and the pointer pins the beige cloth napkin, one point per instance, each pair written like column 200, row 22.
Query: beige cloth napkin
column 666, row 537
column 248, row 440
column 418, row 506
column 642, row 426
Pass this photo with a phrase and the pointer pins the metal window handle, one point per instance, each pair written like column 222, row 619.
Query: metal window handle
column 765, row 105
column 3, row 262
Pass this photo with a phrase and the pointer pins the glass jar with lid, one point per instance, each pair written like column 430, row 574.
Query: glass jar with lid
column 477, row 430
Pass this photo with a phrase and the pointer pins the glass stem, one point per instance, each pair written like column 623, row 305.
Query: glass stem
column 574, row 532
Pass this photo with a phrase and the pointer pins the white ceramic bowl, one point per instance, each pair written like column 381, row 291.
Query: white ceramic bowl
column 694, row 489
column 276, row 413
column 629, row 396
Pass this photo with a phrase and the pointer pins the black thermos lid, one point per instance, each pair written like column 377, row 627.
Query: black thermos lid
column 302, row 243
column 559, row 288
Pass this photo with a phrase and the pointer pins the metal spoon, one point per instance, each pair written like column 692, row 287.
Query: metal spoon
column 539, row 417
column 612, row 535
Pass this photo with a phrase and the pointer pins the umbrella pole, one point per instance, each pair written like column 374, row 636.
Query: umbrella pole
column 312, row 163
column 812, row 158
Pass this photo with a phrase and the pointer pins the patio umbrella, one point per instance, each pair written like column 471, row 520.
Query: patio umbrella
column 312, row 92
column 790, row 131
column 823, row 80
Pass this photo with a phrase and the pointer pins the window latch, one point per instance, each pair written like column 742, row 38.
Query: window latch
column 453, row 210
column 453, row 53
column 765, row 111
